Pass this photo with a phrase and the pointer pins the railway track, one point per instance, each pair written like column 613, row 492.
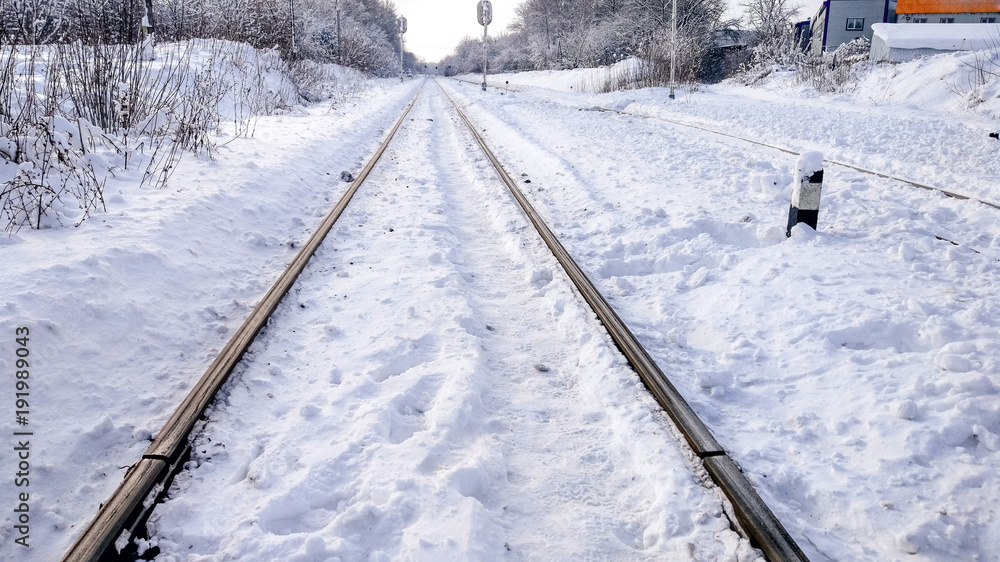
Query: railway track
column 685, row 195
column 893, row 177
column 874, row 173
column 124, row 515
column 147, row 481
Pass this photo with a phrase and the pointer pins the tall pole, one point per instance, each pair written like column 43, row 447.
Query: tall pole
column 291, row 10
column 149, row 25
column 484, row 13
column 673, row 46
column 401, row 26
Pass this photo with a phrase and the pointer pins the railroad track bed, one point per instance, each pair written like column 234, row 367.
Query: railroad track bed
column 127, row 310
column 950, row 151
column 853, row 372
column 432, row 388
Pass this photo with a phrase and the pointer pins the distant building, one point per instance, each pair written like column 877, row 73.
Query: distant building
column 900, row 42
column 948, row 11
column 840, row 21
column 802, row 34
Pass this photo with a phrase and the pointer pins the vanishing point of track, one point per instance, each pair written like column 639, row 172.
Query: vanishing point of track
column 123, row 515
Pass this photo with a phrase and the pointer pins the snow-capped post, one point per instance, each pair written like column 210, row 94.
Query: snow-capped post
column 806, row 189
column 401, row 24
column 484, row 13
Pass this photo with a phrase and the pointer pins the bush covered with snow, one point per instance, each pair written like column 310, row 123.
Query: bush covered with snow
column 73, row 115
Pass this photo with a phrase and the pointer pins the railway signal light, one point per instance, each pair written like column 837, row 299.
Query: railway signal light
column 484, row 13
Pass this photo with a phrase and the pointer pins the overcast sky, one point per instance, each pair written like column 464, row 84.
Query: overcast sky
column 436, row 26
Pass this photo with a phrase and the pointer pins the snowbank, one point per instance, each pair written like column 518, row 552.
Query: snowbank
column 853, row 371
column 939, row 36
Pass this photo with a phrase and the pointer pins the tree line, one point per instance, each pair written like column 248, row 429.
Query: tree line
column 356, row 33
column 561, row 34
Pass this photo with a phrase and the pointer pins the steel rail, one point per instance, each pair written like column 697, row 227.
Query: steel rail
column 863, row 170
column 919, row 185
column 146, row 481
column 753, row 515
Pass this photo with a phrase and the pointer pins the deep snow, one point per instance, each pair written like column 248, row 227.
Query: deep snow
column 852, row 371
column 435, row 391
column 127, row 310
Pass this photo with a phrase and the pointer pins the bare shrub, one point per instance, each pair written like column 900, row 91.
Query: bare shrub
column 55, row 173
column 104, row 107
column 982, row 72
column 653, row 67
column 48, row 165
column 314, row 81
column 838, row 71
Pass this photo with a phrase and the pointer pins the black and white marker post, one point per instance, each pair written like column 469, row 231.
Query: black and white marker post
column 806, row 190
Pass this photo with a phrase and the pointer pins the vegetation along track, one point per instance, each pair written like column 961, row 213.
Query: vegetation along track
column 125, row 512
column 122, row 515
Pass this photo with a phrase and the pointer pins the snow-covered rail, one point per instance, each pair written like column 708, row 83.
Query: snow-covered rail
column 863, row 170
column 883, row 175
column 756, row 519
column 120, row 517
column 124, row 515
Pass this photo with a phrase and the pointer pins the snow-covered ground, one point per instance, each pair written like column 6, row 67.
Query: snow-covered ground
column 944, row 104
column 851, row 371
column 127, row 310
column 433, row 389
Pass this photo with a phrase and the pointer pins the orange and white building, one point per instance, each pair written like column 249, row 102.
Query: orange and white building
column 948, row 11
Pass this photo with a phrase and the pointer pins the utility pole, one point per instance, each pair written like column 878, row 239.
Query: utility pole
column 673, row 46
column 484, row 13
column 148, row 25
column 340, row 53
column 291, row 10
column 401, row 22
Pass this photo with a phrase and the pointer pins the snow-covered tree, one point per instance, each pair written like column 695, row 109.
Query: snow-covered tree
column 771, row 22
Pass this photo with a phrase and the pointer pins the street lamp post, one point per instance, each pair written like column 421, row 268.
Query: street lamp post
column 484, row 13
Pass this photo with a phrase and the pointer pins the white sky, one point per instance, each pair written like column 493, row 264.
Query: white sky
column 436, row 26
